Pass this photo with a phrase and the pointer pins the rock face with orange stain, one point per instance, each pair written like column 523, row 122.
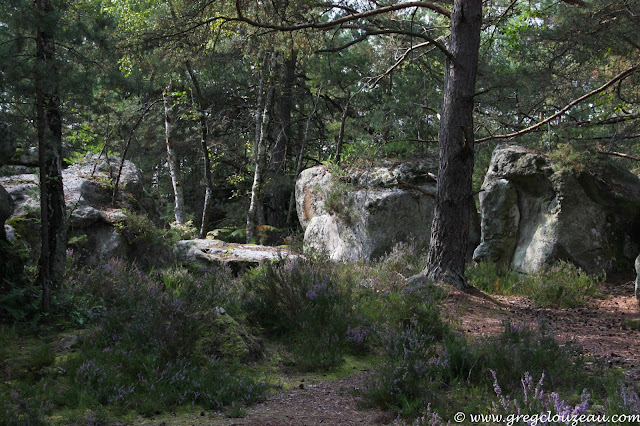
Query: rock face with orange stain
column 363, row 213
column 536, row 212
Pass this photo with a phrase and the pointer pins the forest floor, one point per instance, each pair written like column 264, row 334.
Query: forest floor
column 607, row 328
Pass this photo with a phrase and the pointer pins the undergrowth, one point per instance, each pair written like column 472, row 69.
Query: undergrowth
column 126, row 340
column 563, row 285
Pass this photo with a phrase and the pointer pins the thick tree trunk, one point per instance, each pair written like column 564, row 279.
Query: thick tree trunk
column 260, row 153
column 279, row 184
column 179, row 211
column 204, row 134
column 49, row 129
column 450, row 227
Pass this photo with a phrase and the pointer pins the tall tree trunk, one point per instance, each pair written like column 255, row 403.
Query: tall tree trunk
column 171, row 157
column 206, row 155
column 343, row 122
column 279, row 185
column 450, row 227
column 49, row 129
column 260, row 153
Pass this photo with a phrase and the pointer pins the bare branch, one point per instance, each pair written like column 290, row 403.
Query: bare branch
column 406, row 185
column 403, row 57
column 619, row 154
column 566, row 108
column 352, row 17
column 610, row 120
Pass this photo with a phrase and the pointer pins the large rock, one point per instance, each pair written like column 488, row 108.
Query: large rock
column 93, row 218
column 535, row 213
column 207, row 252
column 363, row 214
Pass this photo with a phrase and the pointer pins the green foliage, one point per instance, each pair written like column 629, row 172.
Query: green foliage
column 337, row 201
column 571, row 157
column 265, row 235
column 487, row 277
column 561, row 286
column 150, row 246
column 140, row 353
column 307, row 305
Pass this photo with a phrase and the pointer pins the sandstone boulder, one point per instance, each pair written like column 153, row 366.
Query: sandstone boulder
column 362, row 214
column 92, row 216
column 207, row 252
column 535, row 213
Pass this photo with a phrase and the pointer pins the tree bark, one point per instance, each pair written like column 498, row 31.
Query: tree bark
column 49, row 130
column 179, row 210
column 260, row 151
column 206, row 155
column 450, row 227
column 279, row 184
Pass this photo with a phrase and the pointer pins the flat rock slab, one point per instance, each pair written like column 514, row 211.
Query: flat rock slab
column 206, row 252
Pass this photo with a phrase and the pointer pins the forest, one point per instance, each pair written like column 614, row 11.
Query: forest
column 193, row 120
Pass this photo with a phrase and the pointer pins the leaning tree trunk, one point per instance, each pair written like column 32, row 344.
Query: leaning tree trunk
column 49, row 130
column 171, row 157
column 450, row 227
column 260, row 155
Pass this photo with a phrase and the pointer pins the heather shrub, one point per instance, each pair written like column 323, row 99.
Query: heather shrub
column 407, row 377
column 204, row 288
column 307, row 305
column 140, row 353
column 417, row 369
column 515, row 350
column 623, row 400
column 536, row 402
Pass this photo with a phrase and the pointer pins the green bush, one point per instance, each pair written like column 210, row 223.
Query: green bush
column 305, row 303
column 487, row 277
column 140, row 353
column 417, row 369
column 561, row 286
column 150, row 246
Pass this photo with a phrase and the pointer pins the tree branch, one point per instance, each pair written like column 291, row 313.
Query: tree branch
column 566, row 108
column 619, row 154
column 349, row 18
column 406, row 185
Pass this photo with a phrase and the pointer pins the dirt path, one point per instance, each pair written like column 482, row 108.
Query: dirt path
column 319, row 403
column 601, row 328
